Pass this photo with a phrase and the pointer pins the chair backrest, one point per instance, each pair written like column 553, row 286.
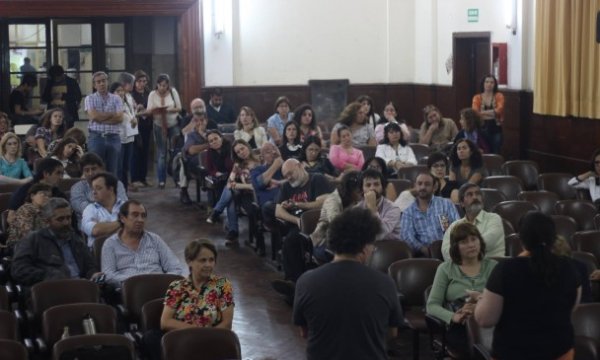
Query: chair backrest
column 510, row 186
column 57, row 317
column 410, row 172
column 309, row 220
column 582, row 211
column 96, row 345
column 508, row 228
column 512, row 245
column 586, row 320
column 491, row 197
column 586, row 348
column 12, row 350
column 50, row 293
column 525, row 170
column 597, row 221
column 368, row 151
column 420, row 150
column 212, row 343
column 435, row 250
column 65, row 185
column 557, row 183
column 588, row 241
column 387, row 252
column 565, row 226
column 4, row 201
column 4, row 302
column 151, row 312
column 590, row 261
column 412, row 277
column 545, row 200
column 514, row 210
column 8, row 326
column 139, row 289
column 400, row 184
column 493, row 164
column 97, row 249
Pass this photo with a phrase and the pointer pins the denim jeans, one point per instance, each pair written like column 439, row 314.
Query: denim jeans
column 124, row 162
column 141, row 151
column 108, row 147
column 161, row 150
column 226, row 202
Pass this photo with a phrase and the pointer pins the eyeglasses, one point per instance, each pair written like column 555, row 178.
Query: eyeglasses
column 440, row 165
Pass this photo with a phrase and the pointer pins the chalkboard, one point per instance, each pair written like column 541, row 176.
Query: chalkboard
column 328, row 98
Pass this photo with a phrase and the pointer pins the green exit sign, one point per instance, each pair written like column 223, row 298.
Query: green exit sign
column 473, row 15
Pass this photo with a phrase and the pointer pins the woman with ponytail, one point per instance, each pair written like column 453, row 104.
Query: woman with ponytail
column 529, row 298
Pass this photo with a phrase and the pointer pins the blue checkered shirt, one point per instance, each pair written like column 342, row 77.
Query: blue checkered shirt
column 421, row 228
column 110, row 103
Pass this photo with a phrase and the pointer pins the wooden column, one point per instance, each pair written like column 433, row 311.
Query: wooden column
column 191, row 61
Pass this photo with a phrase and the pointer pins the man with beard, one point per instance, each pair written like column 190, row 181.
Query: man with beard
column 426, row 219
column 389, row 214
column 218, row 111
column 54, row 252
column 303, row 191
column 134, row 251
column 488, row 224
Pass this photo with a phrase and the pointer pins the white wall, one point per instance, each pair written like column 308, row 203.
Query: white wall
column 288, row 42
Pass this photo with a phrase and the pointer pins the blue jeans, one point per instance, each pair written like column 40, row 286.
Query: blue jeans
column 161, row 150
column 141, row 151
column 108, row 147
column 124, row 162
column 226, row 202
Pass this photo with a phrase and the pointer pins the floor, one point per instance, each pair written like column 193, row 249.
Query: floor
column 262, row 320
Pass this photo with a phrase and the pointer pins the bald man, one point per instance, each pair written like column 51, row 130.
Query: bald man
column 190, row 122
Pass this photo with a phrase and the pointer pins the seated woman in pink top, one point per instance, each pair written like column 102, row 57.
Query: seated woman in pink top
column 343, row 156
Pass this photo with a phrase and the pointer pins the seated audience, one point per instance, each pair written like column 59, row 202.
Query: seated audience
column 590, row 179
column 100, row 218
column 17, row 102
column 248, row 129
column 467, row 163
column 394, row 149
column 367, row 106
column 529, row 299
column 217, row 111
column 238, row 189
column 488, row 224
column 278, row 120
column 291, row 147
column 134, row 251
column 389, row 116
column 436, row 131
column 437, row 163
column 471, row 129
column 373, row 183
column 81, row 193
column 218, row 162
column 464, row 273
column 13, row 169
column 266, row 181
column 54, row 252
column 426, row 220
column 345, row 157
column 314, row 161
column 345, row 309
column 196, row 142
column 73, row 133
column 198, row 112
column 305, row 116
column 378, row 164
column 68, row 152
column 52, row 127
column 354, row 117
column 28, row 217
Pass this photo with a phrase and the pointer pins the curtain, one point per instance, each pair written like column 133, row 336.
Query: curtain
column 567, row 59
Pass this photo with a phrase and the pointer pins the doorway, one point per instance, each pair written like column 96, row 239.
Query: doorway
column 472, row 61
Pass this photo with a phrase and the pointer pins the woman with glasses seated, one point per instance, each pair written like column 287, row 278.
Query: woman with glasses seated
column 315, row 162
column 437, row 163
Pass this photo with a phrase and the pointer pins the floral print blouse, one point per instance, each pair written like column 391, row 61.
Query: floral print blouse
column 28, row 218
column 204, row 307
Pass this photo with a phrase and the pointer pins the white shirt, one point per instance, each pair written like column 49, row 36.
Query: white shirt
column 402, row 153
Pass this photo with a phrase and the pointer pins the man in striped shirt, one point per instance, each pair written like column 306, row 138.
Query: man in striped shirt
column 105, row 113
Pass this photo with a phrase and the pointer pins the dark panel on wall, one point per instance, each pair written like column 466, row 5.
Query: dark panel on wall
column 402, row 95
column 191, row 61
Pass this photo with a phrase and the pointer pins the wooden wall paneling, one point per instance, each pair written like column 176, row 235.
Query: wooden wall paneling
column 375, row 91
column 445, row 100
column 423, row 95
column 403, row 97
column 512, row 128
column 191, row 67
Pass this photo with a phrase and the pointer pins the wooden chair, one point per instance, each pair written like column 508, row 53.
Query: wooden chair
column 582, row 211
column 212, row 343
column 510, row 186
column 514, row 210
column 94, row 346
column 493, row 164
column 545, row 200
column 558, row 184
column 525, row 170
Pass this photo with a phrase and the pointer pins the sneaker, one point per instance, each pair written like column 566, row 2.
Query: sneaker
column 138, row 184
column 184, row 197
column 213, row 218
column 161, row 185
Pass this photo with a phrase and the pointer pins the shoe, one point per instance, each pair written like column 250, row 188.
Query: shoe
column 161, row 185
column 285, row 288
column 232, row 236
column 184, row 197
column 148, row 183
column 213, row 218
column 138, row 184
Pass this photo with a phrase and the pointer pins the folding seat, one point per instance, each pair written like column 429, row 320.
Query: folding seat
column 386, row 252
column 545, row 200
column 558, row 184
column 582, row 211
column 99, row 346
column 525, row 170
column 510, row 186
column 212, row 343
column 514, row 210
column 491, row 197
column 493, row 164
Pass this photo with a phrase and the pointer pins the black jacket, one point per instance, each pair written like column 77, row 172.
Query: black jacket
column 38, row 258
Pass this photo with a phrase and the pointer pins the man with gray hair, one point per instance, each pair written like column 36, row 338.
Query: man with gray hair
column 54, row 252
column 105, row 113
column 198, row 114
column 488, row 224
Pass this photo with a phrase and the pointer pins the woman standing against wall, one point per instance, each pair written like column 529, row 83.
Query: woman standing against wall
column 490, row 106
column 141, row 148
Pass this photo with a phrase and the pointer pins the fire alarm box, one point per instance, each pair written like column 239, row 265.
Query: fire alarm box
column 500, row 62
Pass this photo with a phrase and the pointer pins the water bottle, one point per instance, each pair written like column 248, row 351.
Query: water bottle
column 65, row 333
column 89, row 327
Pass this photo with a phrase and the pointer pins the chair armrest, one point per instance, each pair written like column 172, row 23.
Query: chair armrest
column 29, row 345
column 41, row 345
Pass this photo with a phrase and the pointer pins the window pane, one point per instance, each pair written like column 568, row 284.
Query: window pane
column 37, row 59
column 85, row 82
column 21, row 35
column 75, row 59
column 114, row 34
column 74, row 34
column 115, row 58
